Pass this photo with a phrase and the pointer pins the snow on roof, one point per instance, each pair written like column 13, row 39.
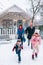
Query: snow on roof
column 13, row 8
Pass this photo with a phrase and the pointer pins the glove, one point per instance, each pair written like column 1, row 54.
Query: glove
column 21, row 47
column 13, row 48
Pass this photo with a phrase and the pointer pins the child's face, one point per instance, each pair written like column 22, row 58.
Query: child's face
column 31, row 24
column 18, row 42
column 36, row 34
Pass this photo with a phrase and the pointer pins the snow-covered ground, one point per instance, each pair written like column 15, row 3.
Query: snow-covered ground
column 7, row 57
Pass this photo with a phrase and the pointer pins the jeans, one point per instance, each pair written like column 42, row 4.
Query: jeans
column 28, row 42
column 19, row 57
column 31, row 46
column 21, row 43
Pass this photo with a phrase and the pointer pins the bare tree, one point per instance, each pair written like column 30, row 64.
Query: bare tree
column 35, row 8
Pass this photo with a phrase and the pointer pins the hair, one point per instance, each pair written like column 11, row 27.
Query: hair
column 20, row 25
column 36, row 33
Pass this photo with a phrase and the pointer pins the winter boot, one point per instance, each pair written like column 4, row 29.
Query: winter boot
column 19, row 61
column 36, row 55
column 33, row 56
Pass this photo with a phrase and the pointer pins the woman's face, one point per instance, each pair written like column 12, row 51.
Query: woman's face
column 20, row 27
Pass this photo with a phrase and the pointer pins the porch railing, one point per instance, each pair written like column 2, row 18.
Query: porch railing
column 7, row 31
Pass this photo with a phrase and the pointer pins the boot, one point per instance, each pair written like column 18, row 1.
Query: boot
column 19, row 61
column 36, row 55
column 33, row 56
column 28, row 44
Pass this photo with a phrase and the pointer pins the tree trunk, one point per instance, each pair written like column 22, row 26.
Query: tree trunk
column 32, row 19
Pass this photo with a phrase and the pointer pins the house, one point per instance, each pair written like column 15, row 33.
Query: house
column 11, row 19
column 14, row 16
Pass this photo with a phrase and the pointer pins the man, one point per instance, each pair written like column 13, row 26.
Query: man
column 30, row 31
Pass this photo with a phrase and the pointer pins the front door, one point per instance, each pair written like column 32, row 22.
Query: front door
column 19, row 22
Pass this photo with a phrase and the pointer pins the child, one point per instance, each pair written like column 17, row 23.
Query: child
column 35, row 41
column 18, row 48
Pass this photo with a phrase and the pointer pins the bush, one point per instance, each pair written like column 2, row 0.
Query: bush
column 41, row 27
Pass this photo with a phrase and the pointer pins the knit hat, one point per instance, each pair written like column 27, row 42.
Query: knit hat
column 37, row 31
column 18, row 40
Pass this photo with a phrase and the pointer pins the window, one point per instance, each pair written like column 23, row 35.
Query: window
column 7, row 23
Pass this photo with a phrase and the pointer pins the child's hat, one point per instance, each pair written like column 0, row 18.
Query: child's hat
column 37, row 31
column 18, row 40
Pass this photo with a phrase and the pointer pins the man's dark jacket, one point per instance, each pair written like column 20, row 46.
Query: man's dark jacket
column 30, row 32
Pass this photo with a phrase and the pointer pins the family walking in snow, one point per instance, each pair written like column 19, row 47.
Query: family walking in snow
column 32, row 35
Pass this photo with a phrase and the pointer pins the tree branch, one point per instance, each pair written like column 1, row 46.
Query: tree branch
column 32, row 6
column 37, row 11
column 37, row 6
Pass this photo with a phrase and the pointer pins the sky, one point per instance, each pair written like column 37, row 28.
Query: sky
column 5, row 4
column 23, row 4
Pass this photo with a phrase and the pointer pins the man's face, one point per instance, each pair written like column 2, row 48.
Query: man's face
column 31, row 24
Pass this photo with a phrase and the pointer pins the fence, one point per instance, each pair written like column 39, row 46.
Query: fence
column 7, row 33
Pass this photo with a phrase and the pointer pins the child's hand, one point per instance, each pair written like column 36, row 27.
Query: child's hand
column 21, row 47
column 12, row 49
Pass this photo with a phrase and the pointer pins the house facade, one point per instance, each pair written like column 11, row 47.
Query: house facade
column 11, row 19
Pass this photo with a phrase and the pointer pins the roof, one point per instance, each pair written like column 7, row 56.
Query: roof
column 14, row 10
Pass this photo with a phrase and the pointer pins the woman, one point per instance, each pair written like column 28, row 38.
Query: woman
column 20, row 33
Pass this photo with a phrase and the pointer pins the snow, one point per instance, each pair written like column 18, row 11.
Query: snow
column 7, row 57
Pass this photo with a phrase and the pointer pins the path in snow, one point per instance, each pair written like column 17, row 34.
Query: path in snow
column 7, row 57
